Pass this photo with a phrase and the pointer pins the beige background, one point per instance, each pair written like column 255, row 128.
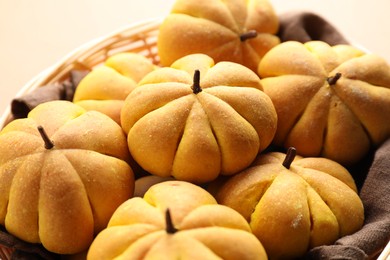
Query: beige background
column 34, row 34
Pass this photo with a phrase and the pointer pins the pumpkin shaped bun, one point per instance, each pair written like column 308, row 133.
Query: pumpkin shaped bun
column 63, row 172
column 293, row 205
column 239, row 31
column 105, row 88
column 332, row 102
column 196, row 119
column 176, row 220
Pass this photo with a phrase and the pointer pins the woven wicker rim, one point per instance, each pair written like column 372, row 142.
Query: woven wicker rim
column 138, row 37
column 385, row 255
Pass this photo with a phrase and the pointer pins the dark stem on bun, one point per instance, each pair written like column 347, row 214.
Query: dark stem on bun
column 248, row 35
column 333, row 80
column 196, row 86
column 290, row 155
column 169, row 224
column 48, row 143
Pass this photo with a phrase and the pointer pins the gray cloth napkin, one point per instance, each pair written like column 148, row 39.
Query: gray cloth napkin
column 21, row 106
column 308, row 26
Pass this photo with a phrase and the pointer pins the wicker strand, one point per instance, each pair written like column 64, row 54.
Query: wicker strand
column 5, row 252
column 138, row 38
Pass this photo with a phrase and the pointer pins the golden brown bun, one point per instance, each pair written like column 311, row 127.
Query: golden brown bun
column 214, row 28
column 312, row 203
column 340, row 121
column 204, row 229
column 62, row 196
column 195, row 137
column 106, row 87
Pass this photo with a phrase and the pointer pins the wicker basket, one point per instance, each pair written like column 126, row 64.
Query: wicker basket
column 5, row 252
column 138, row 38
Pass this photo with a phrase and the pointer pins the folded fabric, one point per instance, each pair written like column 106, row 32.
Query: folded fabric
column 22, row 250
column 21, row 106
column 307, row 26
column 375, row 234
